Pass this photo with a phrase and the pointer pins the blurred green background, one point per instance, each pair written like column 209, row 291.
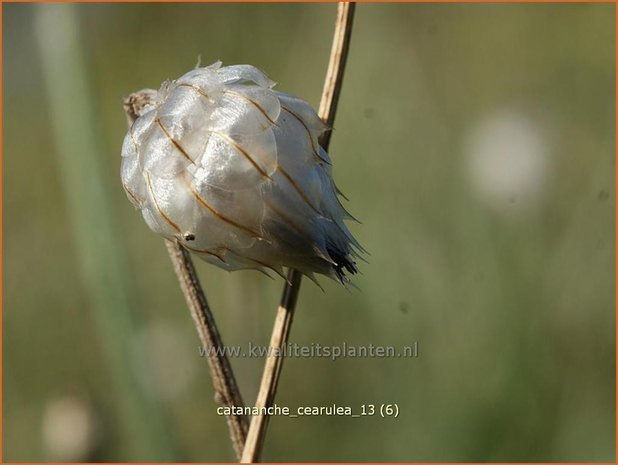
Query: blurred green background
column 476, row 144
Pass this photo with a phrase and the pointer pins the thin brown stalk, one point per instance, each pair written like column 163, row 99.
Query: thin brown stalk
column 285, row 312
column 226, row 389
column 223, row 379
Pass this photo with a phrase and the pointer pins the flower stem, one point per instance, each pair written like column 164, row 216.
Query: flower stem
column 226, row 389
column 285, row 312
column 222, row 375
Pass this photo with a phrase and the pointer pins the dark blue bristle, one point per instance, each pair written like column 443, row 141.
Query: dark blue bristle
column 342, row 262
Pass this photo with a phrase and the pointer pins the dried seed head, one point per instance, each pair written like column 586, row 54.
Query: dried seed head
column 219, row 153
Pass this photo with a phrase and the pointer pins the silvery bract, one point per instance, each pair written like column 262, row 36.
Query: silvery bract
column 232, row 170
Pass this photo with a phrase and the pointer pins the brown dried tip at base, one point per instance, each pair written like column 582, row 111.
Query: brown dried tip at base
column 135, row 103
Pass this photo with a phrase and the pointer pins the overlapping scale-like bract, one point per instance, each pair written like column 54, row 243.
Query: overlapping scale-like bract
column 233, row 171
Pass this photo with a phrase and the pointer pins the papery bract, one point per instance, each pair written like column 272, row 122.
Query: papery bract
column 233, row 171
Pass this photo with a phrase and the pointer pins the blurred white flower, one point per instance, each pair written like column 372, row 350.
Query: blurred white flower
column 507, row 160
column 232, row 170
column 69, row 430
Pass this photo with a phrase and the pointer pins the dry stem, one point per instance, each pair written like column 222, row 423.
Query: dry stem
column 224, row 382
column 285, row 312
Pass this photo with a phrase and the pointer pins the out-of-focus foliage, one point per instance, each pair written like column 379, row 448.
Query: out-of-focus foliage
column 476, row 144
